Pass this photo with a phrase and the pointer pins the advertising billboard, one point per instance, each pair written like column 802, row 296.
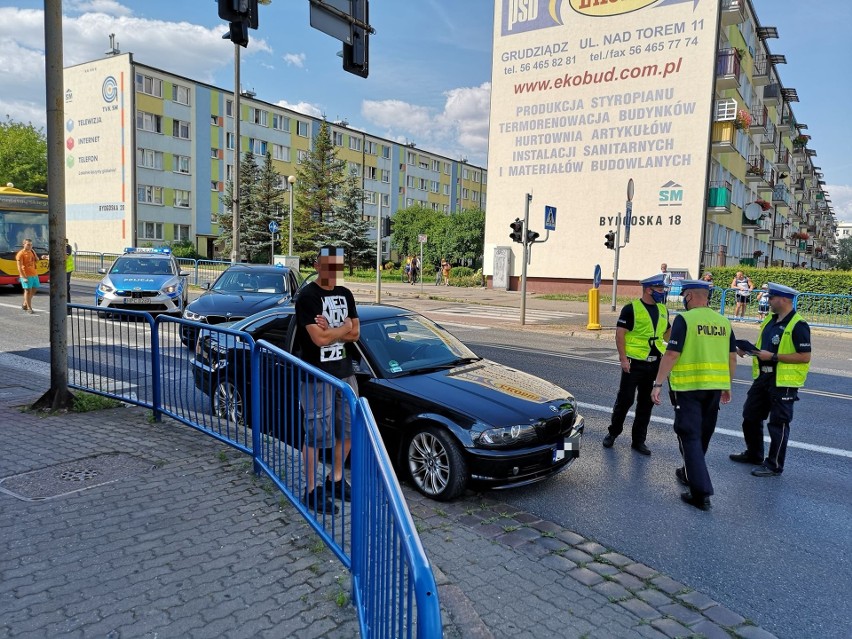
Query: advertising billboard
column 587, row 94
column 98, row 138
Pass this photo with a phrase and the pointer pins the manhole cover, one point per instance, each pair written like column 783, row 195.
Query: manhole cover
column 73, row 476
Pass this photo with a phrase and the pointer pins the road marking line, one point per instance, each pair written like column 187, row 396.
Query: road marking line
column 837, row 452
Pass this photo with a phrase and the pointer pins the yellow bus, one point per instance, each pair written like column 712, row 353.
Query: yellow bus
column 22, row 215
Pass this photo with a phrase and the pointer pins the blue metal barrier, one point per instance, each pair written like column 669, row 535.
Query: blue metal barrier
column 257, row 398
column 832, row 311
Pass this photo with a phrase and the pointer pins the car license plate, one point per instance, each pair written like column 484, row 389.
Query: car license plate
column 568, row 444
column 134, row 300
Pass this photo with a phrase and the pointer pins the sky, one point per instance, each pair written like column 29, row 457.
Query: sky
column 430, row 66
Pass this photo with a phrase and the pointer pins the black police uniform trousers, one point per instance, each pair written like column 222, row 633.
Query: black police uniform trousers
column 696, row 413
column 641, row 377
column 764, row 400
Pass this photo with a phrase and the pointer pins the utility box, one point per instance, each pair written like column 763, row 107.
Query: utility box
column 502, row 268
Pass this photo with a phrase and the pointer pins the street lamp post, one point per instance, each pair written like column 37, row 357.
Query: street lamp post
column 235, row 190
column 291, row 181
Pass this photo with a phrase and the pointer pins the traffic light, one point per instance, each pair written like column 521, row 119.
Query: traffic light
column 356, row 56
column 242, row 16
column 517, row 234
column 610, row 240
column 532, row 236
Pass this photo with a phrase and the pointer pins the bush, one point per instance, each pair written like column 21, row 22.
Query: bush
column 185, row 249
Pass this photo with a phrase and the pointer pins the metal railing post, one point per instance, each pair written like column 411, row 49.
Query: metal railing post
column 255, row 408
column 157, row 389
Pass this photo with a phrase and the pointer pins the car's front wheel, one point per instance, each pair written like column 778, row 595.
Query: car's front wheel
column 227, row 402
column 436, row 464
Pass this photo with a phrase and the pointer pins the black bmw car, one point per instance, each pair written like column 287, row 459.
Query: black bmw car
column 241, row 290
column 448, row 418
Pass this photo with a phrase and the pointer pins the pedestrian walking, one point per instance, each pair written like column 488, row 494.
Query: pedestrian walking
column 446, row 269
column 26, row 259
column 743, row 287
column 642, row 326
column 700, row 362
column 326, row 320
column 780, row 367
column 415, row 270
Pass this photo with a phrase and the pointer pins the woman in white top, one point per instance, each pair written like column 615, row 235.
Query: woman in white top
column 743, row 286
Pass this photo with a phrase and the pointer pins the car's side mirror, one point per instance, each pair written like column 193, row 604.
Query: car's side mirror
column 184, row 273
column 206, row 286
column 102, row 271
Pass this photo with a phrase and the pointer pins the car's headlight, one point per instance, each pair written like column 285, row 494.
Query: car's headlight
column 105, row 288
column 192, row 315
column 170, row 289
column 506, row 436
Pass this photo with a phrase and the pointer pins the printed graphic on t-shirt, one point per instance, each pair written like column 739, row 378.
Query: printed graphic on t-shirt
column 335, row 311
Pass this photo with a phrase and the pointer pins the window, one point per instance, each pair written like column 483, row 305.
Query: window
column 422, row 184
column 149, row 159
column 446, row 189
column 180, row 129
column 258, row 116
column 353, row 168
column 301, row 156
column 385, row 176
column 151, row 230
column 303, row 130
column 214, row 120
column 280, row 152
column 181, row 199
column 181, row 232
column 229, row 172
column 149, row 122
column 465, row 194
column 182, row 164
column 475, row 176
column 474, row 195
column 229, row 108
column 337, row 138
column 465, row 174
column 446, row 208
column 424, row 165
column 280, row 122
column 371, row 172
column 258, row 147
column 386, row 152
column 370, row 197
column 434, row 186
column 411, row 158
column 410, row 181
column 385, row 199
column 214, row 153
column 354, row 143
column 435, row 206
column 370, row 147
column 409, row 202
column 149, row 85
column 436, row 166
column 149, row 195
column 180, row 94
column 229, row 140
column 447, row 168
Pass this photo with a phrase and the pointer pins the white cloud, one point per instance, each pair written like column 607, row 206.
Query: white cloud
column 302, row 107
column 459, row 130
column 109, row 7
column 841, row 201
column 295, row 59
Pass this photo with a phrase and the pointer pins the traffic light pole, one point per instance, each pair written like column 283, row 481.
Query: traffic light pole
column 235, row 188
column 615, row 268
column 527, row 201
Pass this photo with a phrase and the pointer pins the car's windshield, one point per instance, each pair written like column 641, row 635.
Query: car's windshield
column 245, row 282
column 142, row 266
column 407, row 344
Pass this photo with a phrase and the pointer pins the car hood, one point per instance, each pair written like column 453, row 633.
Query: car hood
column 215, row 303
column 141, row 282
column 493, row 393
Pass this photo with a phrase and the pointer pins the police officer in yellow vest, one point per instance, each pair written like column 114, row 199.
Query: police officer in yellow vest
column 69, row 268
column 779, row 368
column 700, row 362
column 642, row 326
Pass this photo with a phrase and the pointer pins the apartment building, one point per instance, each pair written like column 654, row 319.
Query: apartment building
column 149, row 154
column 685, row 100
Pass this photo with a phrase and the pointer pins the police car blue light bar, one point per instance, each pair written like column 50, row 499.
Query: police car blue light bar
column 143, row 249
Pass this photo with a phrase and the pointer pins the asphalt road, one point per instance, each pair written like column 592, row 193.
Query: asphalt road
column 776, row 550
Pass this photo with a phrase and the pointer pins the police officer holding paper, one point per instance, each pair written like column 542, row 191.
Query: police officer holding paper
column 642, row 326
column 781, row 359
column 700, row 362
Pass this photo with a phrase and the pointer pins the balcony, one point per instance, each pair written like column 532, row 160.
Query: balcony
column 781, row 195
column 728, row 69
column 733, row 12
column 759, row 117
column 755, row 170
column 772, row 95
column 782, row 159
column 777, row 233
column 769, row 137
column 787, row 122
column 719, row 198
column 760, row 73
column 723, row 136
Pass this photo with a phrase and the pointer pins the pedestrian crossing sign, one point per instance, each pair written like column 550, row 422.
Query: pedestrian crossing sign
column 550, row 218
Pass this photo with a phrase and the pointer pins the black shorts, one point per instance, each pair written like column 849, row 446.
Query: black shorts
column 743, row 299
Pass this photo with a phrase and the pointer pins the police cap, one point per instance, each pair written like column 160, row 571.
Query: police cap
column 686, row 285
column 779, row 290
column 654, row 280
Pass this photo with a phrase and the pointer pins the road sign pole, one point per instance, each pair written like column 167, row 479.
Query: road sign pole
column 421, row 268
column 527, row 201
column 615, row 269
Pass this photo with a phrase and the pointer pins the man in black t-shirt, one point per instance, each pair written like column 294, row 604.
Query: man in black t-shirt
column 326, row 320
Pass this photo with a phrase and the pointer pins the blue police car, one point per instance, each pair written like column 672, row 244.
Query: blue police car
column 144, row 279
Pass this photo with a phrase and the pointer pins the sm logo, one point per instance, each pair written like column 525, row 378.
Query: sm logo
column 671, row 194
column 528, row 15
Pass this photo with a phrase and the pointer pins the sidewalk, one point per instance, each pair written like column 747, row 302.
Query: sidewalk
column 155, row 530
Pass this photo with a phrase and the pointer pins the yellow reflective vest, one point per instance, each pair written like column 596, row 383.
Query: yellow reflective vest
column 636, row 344
column 703, row 363
column 786, row 375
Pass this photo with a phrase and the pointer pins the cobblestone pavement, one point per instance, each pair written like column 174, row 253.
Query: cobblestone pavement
column 175, row 537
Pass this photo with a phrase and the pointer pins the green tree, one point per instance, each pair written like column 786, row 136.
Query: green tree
column 458, row 237
column 348, row 228
column 466, row 237
column 270, row 201
column 320, row 179
column 23, row 156
column 843, row 260
column 250, row 214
